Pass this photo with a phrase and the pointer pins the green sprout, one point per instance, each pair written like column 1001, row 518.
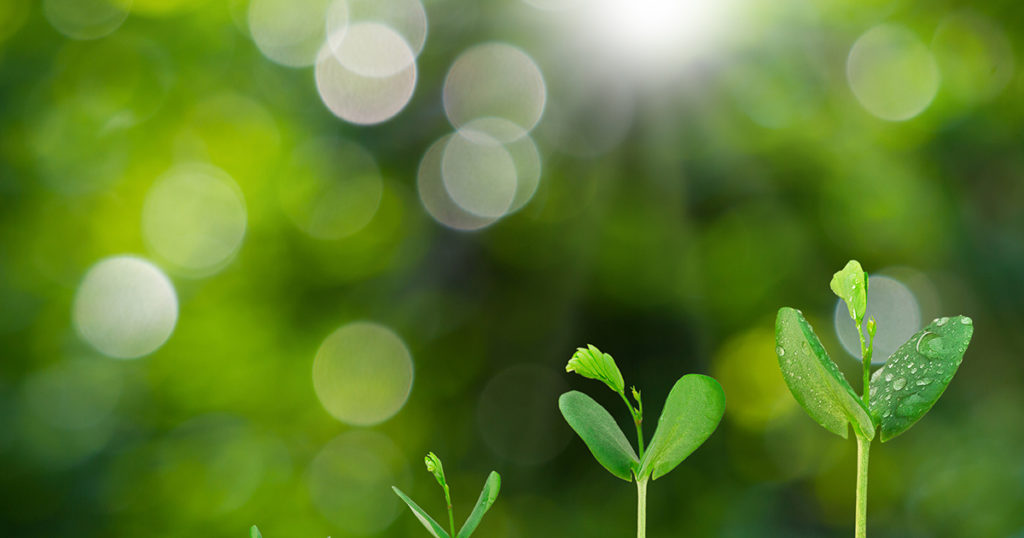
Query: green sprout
column 692, row 411
column 483, row 504
column 894, row 398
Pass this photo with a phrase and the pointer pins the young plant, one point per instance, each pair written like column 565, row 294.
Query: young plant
column 894, row 398
column 692, row 411
column 483, row 504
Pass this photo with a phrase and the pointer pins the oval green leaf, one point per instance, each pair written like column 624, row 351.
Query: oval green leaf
column 692, row 411
column 917, row 374
column 421, row 515
column 483, row 504
column 601, row 434
column 815, row 381
column 851, row 285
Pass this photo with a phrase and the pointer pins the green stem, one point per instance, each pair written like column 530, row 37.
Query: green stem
column 637, row 421
column 641, row 508
column 865, row 353
column 861, row 529
column 451, row 515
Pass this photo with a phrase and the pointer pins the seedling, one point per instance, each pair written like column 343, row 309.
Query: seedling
column 895, row 397
column 483, row 504
column 692, row 411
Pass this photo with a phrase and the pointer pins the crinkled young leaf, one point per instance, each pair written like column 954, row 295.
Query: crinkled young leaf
column 590, row 362
column 815, row 381
column 254, row 532
column 917, row 373
column 692, row 411
column 421, row 515
column 483, row 504
column 601, row 434
column 851, row 285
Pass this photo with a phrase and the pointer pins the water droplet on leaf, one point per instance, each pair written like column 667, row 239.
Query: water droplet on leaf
column 899, row 383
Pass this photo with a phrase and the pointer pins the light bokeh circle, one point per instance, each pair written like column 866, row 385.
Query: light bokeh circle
column 479, row 174
column 521, row 149
column 86, row 19
column 892, row 73
column 125, row 307
column 288, row 32
column 897, row 316
column 331, row 188
column 494, row 80
column 407, row 17
column 974, row 55
column 374, row 50
column 350, row 481
column 363, row 373
column 434, row 196
column 194, row 217
column 517, row 418
column 358, row 99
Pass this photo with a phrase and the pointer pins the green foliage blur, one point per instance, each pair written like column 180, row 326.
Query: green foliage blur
column 668, row 227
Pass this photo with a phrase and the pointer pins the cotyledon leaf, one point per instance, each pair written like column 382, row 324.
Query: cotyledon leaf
column 421, row 515
column 692, row 411
column 483, row 504
column 815, row 381
column 601, row 434
column 917, row 373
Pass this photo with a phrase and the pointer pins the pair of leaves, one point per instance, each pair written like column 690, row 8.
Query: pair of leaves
column 692, row 411
column 483, row 504
column 901, row 392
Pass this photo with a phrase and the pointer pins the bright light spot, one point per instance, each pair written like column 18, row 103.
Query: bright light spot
column 363, row 373
column 554, row 5
column 288, row 32
column 331, row 188
column 436, row 200
column 479, row 174
column 86, row 19
column 655, row 33
column 125, row 307
column 350, row 481
column 406, row 17
column 748, row 364
column 371, row 49
column 974, row 55
column 194, row 217
column 896, row 314
column 361, row 99
column 494, row 80
column 892, row 74
column 522, row 425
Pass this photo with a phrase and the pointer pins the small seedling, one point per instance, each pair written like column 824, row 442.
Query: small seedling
column 895, row 397
column 692, row 411
column 483, row 504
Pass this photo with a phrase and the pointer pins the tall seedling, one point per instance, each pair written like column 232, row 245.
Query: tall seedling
column 894, row 398
column 483, row 504
column 692, row 411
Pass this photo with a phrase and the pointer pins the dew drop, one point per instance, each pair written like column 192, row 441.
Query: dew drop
column 913, row 370
column 887, row 414
column 966, row 321
column 923, row 381
column 888, row 377
column 899, row 383
column 780, row 351
column 941, row 321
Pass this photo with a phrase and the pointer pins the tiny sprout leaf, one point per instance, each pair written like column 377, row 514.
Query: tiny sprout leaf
column 917, row 374
column 601, row 434
column 254, row 532
column 591, row 363
column 692, row 411
column 851, row 285
column 421, row 515
column 433, row 464
column 815, row 381
column 483, row 504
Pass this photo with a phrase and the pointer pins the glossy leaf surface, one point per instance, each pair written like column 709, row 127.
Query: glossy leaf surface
column 815, row 381
column 601, row 434
column 436, row 530
column 917, row 374
column 483, row 504
column 692, row 411
column 851, row 285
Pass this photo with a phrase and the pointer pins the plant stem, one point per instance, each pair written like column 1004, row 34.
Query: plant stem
column 863, row 447
column 641, row 508
column 637, row 420
column 865, row 353
column 451, row 515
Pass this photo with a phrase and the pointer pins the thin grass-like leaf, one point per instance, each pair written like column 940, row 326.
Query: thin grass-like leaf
column 421, row 515
column 483, row 504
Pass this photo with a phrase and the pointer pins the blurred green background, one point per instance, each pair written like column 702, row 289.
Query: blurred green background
column 251, row 273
